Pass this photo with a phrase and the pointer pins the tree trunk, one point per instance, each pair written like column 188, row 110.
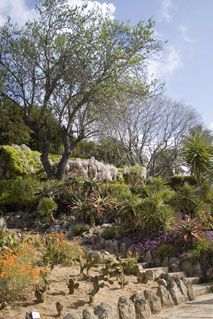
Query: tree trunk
column 44, row 155
column 60, row 175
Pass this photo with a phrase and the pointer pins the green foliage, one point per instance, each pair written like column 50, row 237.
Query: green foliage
column 96, row 287
column 20, row 162
column 18, row 193
column 134, row 174
column 166, row 250
column 57, row 250
column 200, row 250
column 198, row 156
column 152, row 214
column 186, row 201
column 12, row 127
column 97, row 75
column 177, row 181
column 110, row 232
column 46, row 206
column 86, row 266
column 8, row 240
column 189, row 228
column 80, row 229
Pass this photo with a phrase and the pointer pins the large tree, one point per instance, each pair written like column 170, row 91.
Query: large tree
column 150, row 131
column 70, row 63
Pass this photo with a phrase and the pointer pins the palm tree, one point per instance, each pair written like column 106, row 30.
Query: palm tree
column 198, row 156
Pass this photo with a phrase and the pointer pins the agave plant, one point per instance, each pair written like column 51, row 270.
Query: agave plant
column 189, row 228
column 46, row 207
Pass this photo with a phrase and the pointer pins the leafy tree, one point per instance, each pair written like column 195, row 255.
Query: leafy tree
column 13, row 130
column 198, row 156
column 70, row 63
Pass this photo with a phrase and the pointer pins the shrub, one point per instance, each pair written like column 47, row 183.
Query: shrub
column 18, row 272
column 110, row 232
column 57, row 250
column 166, row 250
column 18, row 193
column 130, row 264
column 152, row 214
column 80, row 229
column 187, row 202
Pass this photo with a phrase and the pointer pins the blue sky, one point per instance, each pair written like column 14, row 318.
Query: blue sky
column 186, row 63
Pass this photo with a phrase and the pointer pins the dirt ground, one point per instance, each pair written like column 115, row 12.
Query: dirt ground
column 58, row 291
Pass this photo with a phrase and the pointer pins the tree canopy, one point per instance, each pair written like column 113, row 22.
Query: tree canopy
column 70, row 62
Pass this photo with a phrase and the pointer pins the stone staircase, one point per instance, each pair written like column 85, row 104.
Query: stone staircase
column 198, row 288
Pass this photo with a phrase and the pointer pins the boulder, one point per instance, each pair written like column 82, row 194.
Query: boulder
column 88, row 313
column 190, row 291
column 165, row 297
column 125, row 308
column 142, row 308
column 104, row 311
column 153, row 300
column 175, row 292
column 182, row 287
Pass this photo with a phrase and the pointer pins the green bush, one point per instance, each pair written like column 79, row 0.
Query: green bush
column 110, row 232
column 153, row 214
column 165, row 250
column 177, row 181
column 18, row 193
column 80, row 229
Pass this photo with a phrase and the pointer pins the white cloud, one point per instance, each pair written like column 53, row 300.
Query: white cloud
column 107, row 8
column 184, row 33
column 165, row 65
column 20, row 13
column 164, row 11
column 17, row 10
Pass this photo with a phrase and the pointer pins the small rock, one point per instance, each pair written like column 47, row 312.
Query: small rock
column 125, row 308
column 153, row 300
column 182, row 287
column 175, row 292
column 88, row 313
column 104, row 311
column 190, row 291
column 142, row 307
column 165, row 297
column 165, row 262
column 71, row 315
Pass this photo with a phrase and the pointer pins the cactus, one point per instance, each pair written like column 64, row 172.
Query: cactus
column 72, row 286
column 87, row 265
column 96, row 288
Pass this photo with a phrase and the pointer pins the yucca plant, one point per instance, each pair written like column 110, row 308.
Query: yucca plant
column 46, row 207
column 198, row 156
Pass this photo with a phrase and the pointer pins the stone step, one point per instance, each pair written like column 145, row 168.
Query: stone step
column 180, row 274
column 158, row 270
column 202, row 289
